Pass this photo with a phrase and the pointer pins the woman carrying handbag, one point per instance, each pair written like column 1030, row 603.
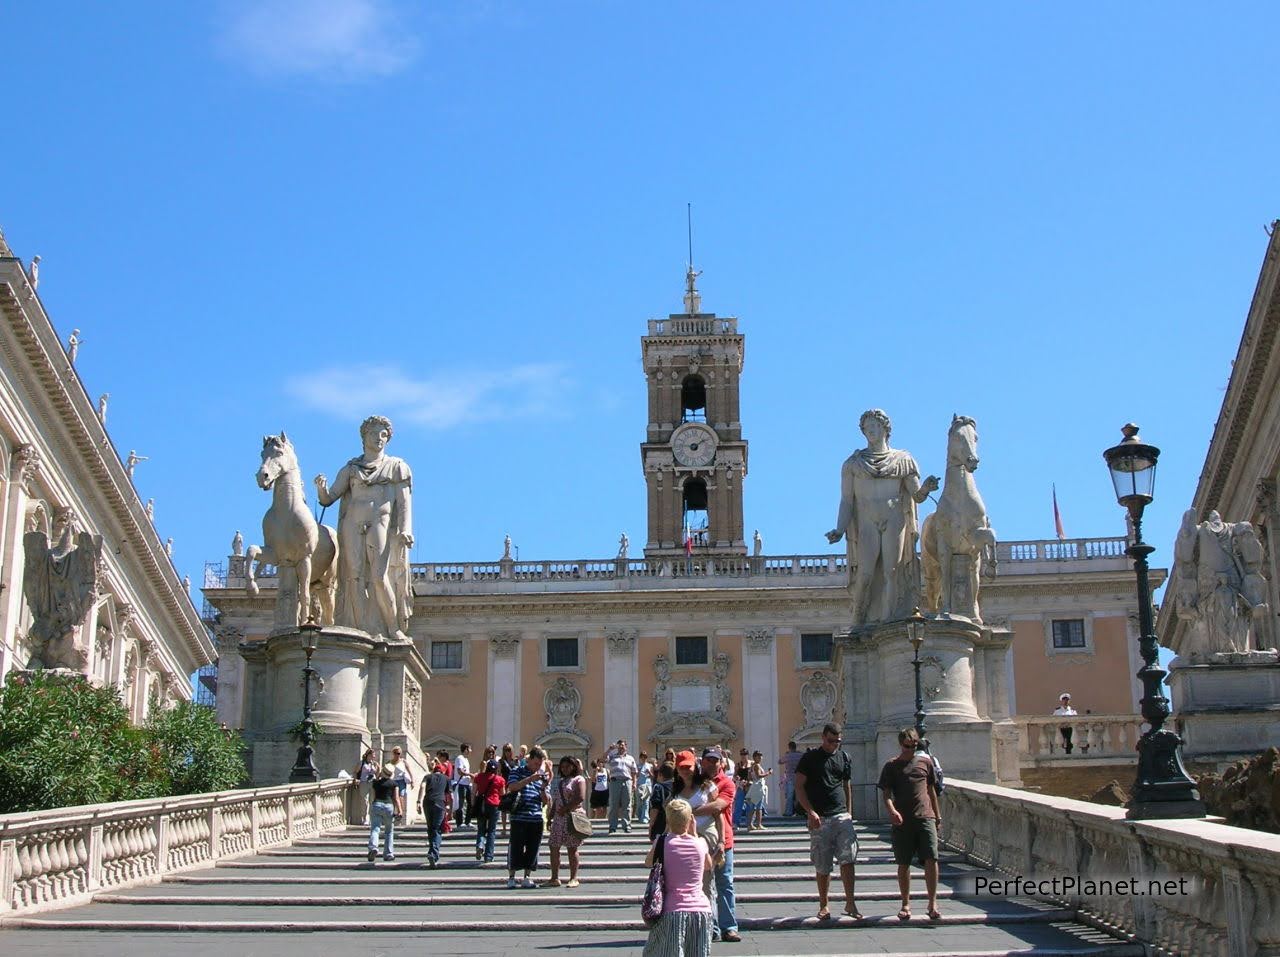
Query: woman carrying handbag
column 683, row 926
column 567, row 797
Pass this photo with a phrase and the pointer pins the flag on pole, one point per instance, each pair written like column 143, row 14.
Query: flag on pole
column 1057, row 516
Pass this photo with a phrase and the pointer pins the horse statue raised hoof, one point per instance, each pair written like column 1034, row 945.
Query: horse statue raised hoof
column 959, row 527
column 305, row 553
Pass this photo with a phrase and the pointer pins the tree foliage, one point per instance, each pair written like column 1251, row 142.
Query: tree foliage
column 65, row 742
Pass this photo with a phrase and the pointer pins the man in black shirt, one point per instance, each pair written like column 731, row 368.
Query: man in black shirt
column 824, row 789
column 910, row 786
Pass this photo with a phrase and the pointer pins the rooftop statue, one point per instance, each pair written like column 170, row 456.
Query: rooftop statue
column 375, row 533
column 60, row 584
column 958, row 529
column 879, row 490
column 303, row 552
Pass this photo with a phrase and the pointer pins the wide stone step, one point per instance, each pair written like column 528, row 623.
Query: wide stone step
column 419, row 875
column 338, row 895
column 1033, row 940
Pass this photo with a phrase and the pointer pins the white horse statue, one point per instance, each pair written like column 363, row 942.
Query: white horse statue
column 959, row 526
column 304, row 553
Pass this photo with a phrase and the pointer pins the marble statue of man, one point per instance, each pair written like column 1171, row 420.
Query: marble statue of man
column 1219, row 588
column 73, row 345
column 237, row 544
column 132, row 461
column 506, row 548
column 151, row 510
column 757, row 544
column 102, row 407
column 624, row 544
column 879, row 490
column 375, row 533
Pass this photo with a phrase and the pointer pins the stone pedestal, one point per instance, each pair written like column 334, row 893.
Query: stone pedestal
column 367, row 692
column 1228, row 707
column 964, row 676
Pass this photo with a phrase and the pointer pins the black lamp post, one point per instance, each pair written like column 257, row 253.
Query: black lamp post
column 915, row 632
column 1163, row 787
column 304, row 768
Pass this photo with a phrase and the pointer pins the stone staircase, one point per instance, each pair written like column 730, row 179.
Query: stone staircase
column 321, row 896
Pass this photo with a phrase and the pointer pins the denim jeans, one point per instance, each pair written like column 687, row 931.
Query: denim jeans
column 382, row 815
column 486, row 827
column 619, row 804
column 726, row 917
column 740, row 807
column 789, row 796
column 435, row 830
column 641, row 801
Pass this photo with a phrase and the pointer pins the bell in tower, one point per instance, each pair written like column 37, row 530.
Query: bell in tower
column 694, row 456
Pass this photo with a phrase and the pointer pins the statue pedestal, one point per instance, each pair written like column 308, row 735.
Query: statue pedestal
column 964, row 677
column 367, row 692
column 1228, row 705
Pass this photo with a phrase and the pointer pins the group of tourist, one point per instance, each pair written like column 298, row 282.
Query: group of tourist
column 690, row 802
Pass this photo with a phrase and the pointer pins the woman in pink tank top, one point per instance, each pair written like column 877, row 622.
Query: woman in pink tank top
column 684, row 930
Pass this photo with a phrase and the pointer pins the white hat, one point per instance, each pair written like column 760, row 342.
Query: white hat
column 1065, row 694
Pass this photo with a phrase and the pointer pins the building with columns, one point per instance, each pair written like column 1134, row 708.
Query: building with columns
column 129, row 621
column 702, row 640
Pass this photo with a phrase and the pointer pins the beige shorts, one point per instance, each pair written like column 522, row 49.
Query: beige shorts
column 835, row 842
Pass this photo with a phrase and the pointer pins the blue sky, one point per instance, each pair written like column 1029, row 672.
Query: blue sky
column 293, row 213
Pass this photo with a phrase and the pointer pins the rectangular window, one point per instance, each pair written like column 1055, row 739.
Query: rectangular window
column 1068, row 633
column 446, row 656
column 691, row 651
column 562, row 652
column 815, row 649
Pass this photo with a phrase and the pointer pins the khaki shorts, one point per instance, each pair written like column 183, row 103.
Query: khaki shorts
column 915, row 837
column 834, row 842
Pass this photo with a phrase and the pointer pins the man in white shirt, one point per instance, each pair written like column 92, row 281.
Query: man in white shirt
column 622, row 781
column 462, row 787
column 1065, row 710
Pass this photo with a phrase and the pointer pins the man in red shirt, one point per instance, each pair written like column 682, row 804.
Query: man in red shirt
column 726, row 921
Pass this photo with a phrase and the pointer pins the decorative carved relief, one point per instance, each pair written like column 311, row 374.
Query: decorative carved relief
column 60, row 584
column 25, row 465
column 412, row 705
column 818, row 697
column 932, row 676
column 504, row 645
column 563, row 704
column 720, row 665
column 621, row 643
column 228, row 639
column 760, row 640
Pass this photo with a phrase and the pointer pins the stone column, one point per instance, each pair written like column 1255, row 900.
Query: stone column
column 231, row 674
column 760, row 700
column 621, row 703
column 503, row 723
column 22, row 468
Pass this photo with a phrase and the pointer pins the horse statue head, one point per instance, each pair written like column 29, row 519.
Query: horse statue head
column 278, row 458
column 962, row 443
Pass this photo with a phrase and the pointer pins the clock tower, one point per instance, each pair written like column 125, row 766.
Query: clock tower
column 694, row 455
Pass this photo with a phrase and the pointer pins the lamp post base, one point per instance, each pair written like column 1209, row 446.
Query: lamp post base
column 304, row 770
column 1163, row 788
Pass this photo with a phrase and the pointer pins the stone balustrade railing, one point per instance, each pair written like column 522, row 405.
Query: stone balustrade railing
column 1229, row 906
column 1020, row 557
column 1093, row 736
column 703, row 325
column 64, row 856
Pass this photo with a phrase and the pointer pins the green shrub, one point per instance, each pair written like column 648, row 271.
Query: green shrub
column 64, row 743
column 197, row 755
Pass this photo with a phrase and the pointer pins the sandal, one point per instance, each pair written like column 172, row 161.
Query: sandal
column 573, row 883
column 554, row 882
column 855, row 914
column 824, row 913
column 904, row 915
column 935, row 914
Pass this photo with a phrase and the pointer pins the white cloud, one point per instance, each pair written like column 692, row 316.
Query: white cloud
column 331, row 39
column 440, row 402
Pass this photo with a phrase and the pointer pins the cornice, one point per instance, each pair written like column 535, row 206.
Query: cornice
column 1239, row 406
column 72, row 410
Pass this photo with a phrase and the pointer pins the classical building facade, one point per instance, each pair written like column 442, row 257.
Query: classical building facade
column 703, row 638
column 85, row 582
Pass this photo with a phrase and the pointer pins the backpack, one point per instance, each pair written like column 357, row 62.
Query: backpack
column 651, row 906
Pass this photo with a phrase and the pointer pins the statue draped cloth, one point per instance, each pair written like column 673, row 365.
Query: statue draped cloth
column 888, row 464
column 387, row 471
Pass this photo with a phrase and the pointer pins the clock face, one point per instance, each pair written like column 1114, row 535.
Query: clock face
column 694, row 446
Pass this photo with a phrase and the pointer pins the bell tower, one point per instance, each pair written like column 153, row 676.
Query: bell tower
column 694, row 455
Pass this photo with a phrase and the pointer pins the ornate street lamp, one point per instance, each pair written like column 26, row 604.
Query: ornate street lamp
column 915, row 633
column 1163, row 787
column 304, row 768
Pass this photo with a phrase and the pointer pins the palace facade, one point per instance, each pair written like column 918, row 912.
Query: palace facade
column 114, row 607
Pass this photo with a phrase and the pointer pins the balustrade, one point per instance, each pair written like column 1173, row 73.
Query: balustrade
column 1093, row 736
column 1227, row 907
column 63, row 856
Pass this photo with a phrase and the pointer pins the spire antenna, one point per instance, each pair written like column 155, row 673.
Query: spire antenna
column 692, row 299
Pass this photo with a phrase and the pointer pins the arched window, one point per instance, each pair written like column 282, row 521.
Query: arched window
column 696, row 531
column 693, row 399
